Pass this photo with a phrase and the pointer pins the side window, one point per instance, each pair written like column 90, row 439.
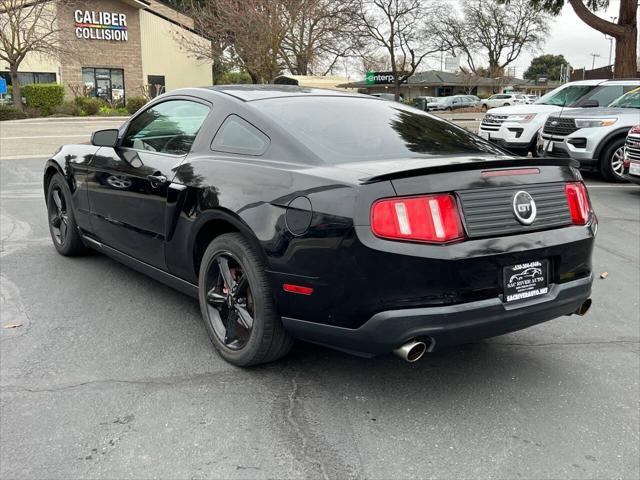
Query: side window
column 605, row 95
column 168, row 127
column 236, row 135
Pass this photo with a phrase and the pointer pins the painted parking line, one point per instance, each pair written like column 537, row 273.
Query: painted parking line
column 45, row 136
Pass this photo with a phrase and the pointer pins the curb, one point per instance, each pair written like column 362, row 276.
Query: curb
column 92, row 118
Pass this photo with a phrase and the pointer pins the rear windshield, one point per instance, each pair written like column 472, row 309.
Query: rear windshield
column 342, row 130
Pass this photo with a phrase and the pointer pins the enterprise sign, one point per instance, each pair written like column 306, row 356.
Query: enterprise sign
column 101, row 25
column 383, row 78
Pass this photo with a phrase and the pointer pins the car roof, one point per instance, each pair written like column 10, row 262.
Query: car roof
column 586, row 82
column 623, row 82
column 248, row 93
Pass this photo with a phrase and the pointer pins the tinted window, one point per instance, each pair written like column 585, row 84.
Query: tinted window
column 239, row 136
column 353, row 129
column 168, row 127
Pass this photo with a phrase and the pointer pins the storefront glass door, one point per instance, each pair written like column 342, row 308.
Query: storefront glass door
column 106, row 83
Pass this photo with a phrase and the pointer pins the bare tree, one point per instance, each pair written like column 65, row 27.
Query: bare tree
column 29, row 28
column 318, row 34
column 490, row 29
column 399, row 28
column 247, row 34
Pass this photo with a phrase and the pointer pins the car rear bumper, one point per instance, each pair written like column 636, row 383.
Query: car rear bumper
column 515, row 147
column 445, row 325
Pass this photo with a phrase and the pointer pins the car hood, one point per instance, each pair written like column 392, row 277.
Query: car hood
column 599, row 112
column 526, row 108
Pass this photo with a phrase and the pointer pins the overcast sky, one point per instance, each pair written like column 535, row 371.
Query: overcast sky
column 568, row 36
column 572, row 38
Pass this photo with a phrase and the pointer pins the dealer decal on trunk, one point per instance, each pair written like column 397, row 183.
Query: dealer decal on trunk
column 525, row 280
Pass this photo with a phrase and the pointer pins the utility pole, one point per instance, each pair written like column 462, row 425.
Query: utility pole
column 613, row 20
column 593, row 62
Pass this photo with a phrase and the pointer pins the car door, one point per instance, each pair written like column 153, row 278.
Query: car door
column 128, row 184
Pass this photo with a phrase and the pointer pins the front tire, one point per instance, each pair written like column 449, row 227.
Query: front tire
column 237, row 304
column 611, row 161
column 62, row 223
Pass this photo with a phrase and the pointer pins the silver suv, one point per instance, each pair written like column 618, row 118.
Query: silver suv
column 594, row 136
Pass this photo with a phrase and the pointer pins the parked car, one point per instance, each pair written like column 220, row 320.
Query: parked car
column 454, row 102
column 474, row 101
column 391, row 97
column 423, row 102
column 532, row 98
column 632, row 155
column 515, row 128
column 330, row 217
column 595, row 136
column 503, row 100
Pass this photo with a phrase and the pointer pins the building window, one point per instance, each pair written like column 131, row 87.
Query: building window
column 156, row 85
column 26, row 78
column 106, row 83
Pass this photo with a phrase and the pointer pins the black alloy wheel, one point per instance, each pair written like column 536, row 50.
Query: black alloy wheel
column 237, row 305
column 230, row 301
column 62, row 223
column 58, row 216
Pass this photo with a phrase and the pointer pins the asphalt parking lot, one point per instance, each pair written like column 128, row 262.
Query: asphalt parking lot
column 109, row 374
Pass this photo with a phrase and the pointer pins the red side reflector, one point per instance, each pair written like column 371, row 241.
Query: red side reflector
column 287, row 287
column 514, row 171
column 578, row 202
column 432, row 218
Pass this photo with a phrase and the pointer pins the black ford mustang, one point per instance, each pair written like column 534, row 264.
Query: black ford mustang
column 339, row 219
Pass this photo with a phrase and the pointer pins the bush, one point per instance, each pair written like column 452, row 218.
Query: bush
column 89, row 105
column 67, row 108
column 8, row 112
column 43, row 96
column 483, row 96
column 106, row 111
column 135, row 103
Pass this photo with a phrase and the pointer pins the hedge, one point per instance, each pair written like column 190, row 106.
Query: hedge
column 43, row 96
column 135, row 103
column 8, row 112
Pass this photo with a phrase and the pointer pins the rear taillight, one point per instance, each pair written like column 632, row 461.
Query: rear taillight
column 578, row 202
column 433, row 219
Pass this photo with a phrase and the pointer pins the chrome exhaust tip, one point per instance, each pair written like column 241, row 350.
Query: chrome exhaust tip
column 411, row 351
column 584, row 308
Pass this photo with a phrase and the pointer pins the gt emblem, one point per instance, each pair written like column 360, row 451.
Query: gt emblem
column 524, row 207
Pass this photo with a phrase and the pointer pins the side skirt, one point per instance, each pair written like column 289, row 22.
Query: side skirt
column 149, row 270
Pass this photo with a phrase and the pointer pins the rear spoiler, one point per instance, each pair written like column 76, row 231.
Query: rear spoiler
column 481, row 164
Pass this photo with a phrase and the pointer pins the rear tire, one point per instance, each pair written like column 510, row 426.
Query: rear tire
column 611, row 158
column 240, row 340
column 62, row 223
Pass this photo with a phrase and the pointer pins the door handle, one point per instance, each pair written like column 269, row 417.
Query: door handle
column 157, row 179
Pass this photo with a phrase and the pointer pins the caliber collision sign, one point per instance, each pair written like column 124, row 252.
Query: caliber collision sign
column 92, row 25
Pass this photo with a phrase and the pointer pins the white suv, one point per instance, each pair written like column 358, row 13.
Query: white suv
column 594, row 136
column 515, row 128
column 504, row 100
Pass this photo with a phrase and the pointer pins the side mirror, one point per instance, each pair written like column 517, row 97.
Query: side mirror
column 589, row 104
column 105, row 138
